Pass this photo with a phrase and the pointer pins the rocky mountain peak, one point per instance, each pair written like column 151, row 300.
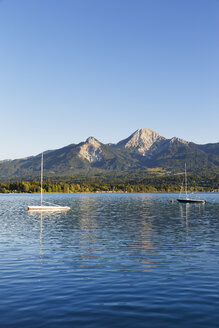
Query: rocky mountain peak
column 92, row 141
column 145, row 136
column 175, row 139
column 142, row 140
column 91, row 150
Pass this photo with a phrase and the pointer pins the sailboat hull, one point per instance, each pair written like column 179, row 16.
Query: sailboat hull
column 191, row 201
column 48, row 208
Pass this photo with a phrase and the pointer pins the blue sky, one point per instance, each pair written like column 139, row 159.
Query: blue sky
column 70, row 69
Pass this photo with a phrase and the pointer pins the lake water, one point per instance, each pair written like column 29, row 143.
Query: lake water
column 114, row 260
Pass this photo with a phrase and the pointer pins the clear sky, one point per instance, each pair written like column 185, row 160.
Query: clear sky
column 70, row 69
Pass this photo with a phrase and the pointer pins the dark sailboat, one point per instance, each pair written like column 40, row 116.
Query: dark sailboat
column 188, row 199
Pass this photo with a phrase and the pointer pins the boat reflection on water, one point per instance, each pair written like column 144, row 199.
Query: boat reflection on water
column 184, row 214
column 41, row 236
column 189, row 212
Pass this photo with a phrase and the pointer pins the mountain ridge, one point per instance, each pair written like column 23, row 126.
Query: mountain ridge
column 143, row 150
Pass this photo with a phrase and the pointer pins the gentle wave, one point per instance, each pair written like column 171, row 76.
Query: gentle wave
column 114, row 260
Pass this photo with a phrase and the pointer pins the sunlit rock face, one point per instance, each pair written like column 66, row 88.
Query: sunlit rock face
column 178, row 140
column 145, row 141
column 91, row 150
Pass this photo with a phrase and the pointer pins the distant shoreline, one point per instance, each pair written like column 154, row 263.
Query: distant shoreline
column 171, row 184
column 106, row 192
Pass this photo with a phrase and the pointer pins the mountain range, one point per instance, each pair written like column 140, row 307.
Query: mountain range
column 145, row 151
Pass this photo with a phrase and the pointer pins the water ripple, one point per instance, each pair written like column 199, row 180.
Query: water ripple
column 114, row 260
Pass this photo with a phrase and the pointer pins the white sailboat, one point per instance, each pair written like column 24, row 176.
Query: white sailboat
column 188, row 199
column 50, row 207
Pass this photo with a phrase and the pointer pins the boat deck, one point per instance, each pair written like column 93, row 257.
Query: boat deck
column 48, row 208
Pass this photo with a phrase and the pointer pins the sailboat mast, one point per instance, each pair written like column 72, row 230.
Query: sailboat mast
column 42, row 179
column 185, row 181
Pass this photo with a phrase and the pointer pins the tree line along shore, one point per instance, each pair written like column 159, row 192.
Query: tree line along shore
column 151, row 184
